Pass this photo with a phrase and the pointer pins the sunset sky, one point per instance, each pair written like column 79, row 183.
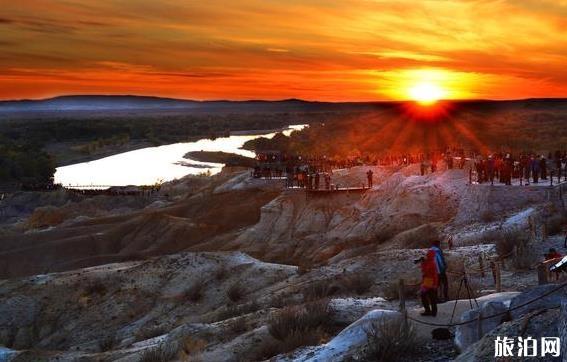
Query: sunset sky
column 335, row 50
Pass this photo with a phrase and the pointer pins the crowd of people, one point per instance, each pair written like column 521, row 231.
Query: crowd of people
column 488, row 168
column 314, row 172
column 527, row 167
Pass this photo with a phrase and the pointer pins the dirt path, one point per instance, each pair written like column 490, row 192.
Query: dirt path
column 445, row 310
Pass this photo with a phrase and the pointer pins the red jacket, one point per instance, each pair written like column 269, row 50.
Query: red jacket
column 430, row 278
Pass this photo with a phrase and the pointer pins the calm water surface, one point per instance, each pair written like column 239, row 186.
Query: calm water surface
column 147, row 166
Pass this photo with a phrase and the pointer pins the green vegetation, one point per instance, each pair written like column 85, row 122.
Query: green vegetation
column 23, row 162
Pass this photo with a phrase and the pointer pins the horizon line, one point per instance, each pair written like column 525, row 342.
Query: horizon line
column 273, row 100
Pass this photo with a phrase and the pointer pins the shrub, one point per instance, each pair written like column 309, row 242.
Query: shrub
column 297, row 319
column 235, row 292
column 487, row 216
column 506, row 240
column 293, row 341
column 95, row 287
column 151, row 332
column 555, row 224
column 389, row 340
column 391, row 291
column 295, row 327
column 221, row 273
column 524, row 256
column 358, row 283
column 45, row 217
column 232, row 311
column 108, row 343
column 189, row 346
column 318, row 290
column 162, row 353
column 238, row 326
column 195, row 292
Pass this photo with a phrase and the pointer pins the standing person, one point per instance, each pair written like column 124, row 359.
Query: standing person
column 317, row 179
column 543, row 167
column 535, row 170
column 441, row 267
column 490, row 165
column 429, row 284
column 369, row 176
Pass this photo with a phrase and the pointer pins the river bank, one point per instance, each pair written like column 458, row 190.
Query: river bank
column 228, row 159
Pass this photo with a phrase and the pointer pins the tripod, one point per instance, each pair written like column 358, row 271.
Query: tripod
column 464, row 282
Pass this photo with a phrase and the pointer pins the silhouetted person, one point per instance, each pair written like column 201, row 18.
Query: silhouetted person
column 369, row 177
column 543, row 168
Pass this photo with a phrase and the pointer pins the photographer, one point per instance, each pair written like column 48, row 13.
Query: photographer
column 429, row 284
column 441, row 266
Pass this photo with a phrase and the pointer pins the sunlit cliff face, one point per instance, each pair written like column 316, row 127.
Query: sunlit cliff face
column 312, row 49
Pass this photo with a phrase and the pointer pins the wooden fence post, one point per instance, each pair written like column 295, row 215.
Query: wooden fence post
column 498, row 277
column 532, row 223
column 542, row 274
column 481, row 264
column 402, row 296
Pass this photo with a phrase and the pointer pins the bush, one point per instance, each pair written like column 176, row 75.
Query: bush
column 506, row 240
column 487, row 216
column 555, row 224
column 524, row 256
column 46, row 216
column 391, row 291
column 195, row 292
column 389, row 340
column 238, row 326
column 235, row 292
column 189, row 346
column 293, row 341
column 298, row 319
column 358, row 283
column 95, row 287
column 318, row 290
column 162, row 353
column 232, row 311
column 295, row 327
column 151, row 332
column 221, row 273
column 108, row 343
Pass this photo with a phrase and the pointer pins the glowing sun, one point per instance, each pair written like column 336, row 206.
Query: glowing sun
column 426, row 93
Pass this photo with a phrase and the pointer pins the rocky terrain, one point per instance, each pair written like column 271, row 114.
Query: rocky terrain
column 231, row 268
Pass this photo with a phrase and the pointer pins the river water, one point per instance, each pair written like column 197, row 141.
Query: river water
column 148, row 166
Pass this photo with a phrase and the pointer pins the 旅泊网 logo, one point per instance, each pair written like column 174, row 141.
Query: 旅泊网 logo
column 527, row 347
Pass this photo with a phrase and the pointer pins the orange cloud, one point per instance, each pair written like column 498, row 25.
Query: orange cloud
column 326, row 50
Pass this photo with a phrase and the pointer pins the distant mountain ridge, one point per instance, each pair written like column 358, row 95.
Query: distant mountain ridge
column 130, row 102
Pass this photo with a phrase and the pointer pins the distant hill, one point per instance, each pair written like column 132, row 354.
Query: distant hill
column 117, row 103
column 133, row 103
